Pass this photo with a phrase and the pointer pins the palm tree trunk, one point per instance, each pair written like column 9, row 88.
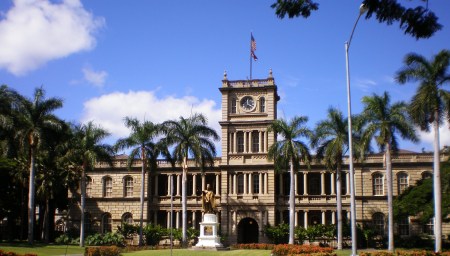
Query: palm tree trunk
column 339, row 206
column 31, row 211
column 46, row 222
column 291, row 203
column 389, row 198
column 184, row 203
column 437, row 187
column 141, row 220
column 83, row 204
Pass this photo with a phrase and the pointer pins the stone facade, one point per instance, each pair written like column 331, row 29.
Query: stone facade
column 249, row 194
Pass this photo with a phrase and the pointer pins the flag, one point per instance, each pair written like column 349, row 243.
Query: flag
column 253, row 48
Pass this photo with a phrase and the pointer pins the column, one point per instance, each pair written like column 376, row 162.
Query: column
column 194, row 184
column 333, row 217
column 245, row 183
column 193, row 219
column 234, row 220
column 349, row 214
column 305, row 219
column 250, row 142
column 203, row 182
column 333, row 190
column 230, row 142
column 234, row 184
column 323, row 217
column 266, row 183
column 266, row 140
column 260, row 141
column 245, row 142
column 217, row 184
column 178, row 184
column 347, row 182
column 305, row 183
column 322, row 177
column 235, row 143
column 168, row 219
column 295, row 184
column 260, row 184
column 281, row 184
column 156, row 185
column 168, row 184
column 177, row 219
column 296, row 219
column 250, row 187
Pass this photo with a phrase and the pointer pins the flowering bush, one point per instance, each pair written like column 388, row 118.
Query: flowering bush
column 404, row 253
column 3, row 253
column 253, row 246
column 102, row 251
column 291, row 249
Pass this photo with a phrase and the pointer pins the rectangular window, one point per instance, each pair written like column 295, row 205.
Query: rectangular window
column 402, row 182
column 378, row 185
column 240, row 142
column 108, row 188
column 255, row 142
column 256, row 182
column 129, row 187
column 233, row 106
column 428, row 228
column 403, row 227
column 88, row 186
column 240, row 184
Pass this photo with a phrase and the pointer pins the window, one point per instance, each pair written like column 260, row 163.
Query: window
column 107, row 187
column 255, row 182
column 403, row 226
column 240, row 142
column 428, row 228
column 427, row 175
column 127, row 218
column 88, row 186
column 106, row 223
column 240, row 184
column 378, row 189
column 128, row 186
column 402, row 180
column 378, row 223
column 233, row 105
column 314, row 184
column 255, row 142
column 262, row 105
column 87, row 222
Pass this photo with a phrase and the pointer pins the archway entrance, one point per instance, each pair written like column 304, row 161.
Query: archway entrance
column 247, row 231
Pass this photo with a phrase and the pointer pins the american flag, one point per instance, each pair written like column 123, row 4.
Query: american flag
column 253, row 48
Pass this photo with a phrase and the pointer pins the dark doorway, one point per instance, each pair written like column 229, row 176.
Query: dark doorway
column 247, row 231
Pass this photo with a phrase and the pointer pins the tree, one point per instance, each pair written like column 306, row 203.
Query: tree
column 35, row 119
column 290, row 152
column 419, row 22
column 331, row 141
column 383, row 122
column 190, row 137
column 86, row 151
column 430, row 105
column 142, row 138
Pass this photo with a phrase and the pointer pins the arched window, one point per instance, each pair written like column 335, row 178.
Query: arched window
column 87, row 222
column 127, row 218
column 378, row 223
column 262, row 105
column 233, row 105
column 88, row 186
column 128, row 186
column 427, row 175
column 402, row 182
column 106, row 223
column 107, row 186
column 378, row 188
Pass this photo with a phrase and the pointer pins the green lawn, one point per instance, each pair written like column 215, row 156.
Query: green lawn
column 41, row 249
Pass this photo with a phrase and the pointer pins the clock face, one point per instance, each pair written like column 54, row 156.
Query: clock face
column 247, row 103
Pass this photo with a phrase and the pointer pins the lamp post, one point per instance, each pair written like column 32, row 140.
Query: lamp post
column 362, row 10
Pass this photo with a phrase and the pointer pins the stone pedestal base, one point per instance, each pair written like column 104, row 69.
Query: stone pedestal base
column 208, row 238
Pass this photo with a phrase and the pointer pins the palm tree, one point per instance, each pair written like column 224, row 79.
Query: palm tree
column 430, row 105
column 142, row 139
column 35, row 119
column 331, row 141
column 86, row 151
column 190, row 137
column 290, row 151
column 383, row 122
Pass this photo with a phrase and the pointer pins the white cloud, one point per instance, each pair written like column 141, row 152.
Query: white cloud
column 110, row 109
column 444, row 136
column 96, row 78
column 34, row 32
column 366, row 85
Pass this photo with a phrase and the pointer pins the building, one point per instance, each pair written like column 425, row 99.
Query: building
column 249, row 194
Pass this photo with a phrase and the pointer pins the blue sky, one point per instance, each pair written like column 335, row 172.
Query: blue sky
column 159, row 60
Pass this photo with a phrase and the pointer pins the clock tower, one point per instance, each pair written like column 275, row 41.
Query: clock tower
column 248, row 108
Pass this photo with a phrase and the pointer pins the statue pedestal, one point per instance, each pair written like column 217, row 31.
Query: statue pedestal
column 208, row 238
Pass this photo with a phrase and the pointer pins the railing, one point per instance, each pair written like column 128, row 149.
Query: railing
column 249, row 83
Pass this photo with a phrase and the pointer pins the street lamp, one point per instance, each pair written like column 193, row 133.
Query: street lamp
column 362, row 10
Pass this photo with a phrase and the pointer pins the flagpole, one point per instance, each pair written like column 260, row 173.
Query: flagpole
column 251, row 56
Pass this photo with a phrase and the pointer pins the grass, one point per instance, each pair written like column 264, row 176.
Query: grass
column 41, row 249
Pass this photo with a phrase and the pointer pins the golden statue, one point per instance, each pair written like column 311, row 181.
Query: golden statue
column 208, row 200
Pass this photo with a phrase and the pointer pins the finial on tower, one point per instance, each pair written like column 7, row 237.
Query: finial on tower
column 270, row 73
column 225, row 75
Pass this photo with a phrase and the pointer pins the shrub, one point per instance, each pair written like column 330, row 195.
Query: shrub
column 128, row 230
column 102, row 251
column 278, row 234
column 291, row 249
column 253, row 246
column 62, row 239
column 153, row 234
column 106, row 239
column 3, row 253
